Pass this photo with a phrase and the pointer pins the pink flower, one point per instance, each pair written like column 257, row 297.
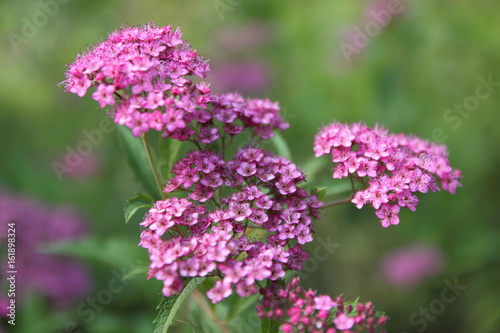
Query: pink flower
column 323, row 303
column 343, row 322
column 154, row 100
column 246, row 169
column 388, row 214
column 104, row 95
column 239, row 211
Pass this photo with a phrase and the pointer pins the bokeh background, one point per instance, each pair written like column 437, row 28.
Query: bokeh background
column 322, row 61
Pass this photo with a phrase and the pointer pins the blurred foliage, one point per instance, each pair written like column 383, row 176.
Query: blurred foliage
column 422, row 63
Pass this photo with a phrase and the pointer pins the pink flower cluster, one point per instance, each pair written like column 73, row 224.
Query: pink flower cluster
column 186, row 239
column 304, row 311
column 234, row 113
column 142, row 74
column 395, row 166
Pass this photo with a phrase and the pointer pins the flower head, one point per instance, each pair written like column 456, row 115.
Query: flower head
column 144, row 75
column 395, row 166
column 301, row 310
column 198, row 235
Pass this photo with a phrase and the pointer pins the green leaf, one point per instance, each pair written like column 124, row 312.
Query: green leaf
column 238, row 305
column 200, row 321
column 281, row 146
column 134, row 204
column 169, row 149
column 270, row 325
column 137, row 159
column 170, row 305
column 319, row 192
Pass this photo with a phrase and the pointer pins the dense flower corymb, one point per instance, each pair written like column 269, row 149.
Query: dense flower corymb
column 392, row 166
column 303, row 311
column 143, row 75
column 199, row 235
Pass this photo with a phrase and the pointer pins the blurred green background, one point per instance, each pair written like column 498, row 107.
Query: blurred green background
column 410, row 72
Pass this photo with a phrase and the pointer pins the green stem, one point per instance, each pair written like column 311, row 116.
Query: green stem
column 151, row 163
column 336, row 203
column 342, row 201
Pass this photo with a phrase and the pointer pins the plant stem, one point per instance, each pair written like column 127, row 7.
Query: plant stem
column 342, row 201
column 336, row 203
column 151, row 162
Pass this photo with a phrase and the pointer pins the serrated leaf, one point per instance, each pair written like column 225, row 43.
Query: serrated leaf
column 137, row 158
column 270, row 325
column 170, row 305
column 134, row 204
column 281, row 146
